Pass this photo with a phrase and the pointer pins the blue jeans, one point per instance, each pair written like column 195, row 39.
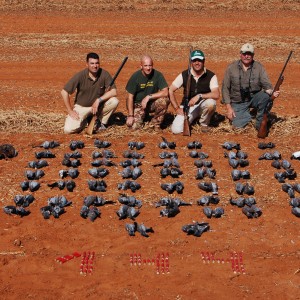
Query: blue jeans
column 242, row 110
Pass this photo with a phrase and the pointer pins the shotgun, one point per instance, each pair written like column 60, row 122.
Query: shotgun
column 263, row 129
column 90, row 128
column 186, row 124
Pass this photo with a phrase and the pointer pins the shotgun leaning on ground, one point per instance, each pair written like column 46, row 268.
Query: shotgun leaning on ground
column 90, row 128
column 263, row 129
column 186, row 124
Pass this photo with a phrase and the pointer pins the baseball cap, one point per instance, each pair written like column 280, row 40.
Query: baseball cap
column 197, row 54
column 247, row 48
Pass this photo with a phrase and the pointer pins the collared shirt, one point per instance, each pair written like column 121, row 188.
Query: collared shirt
column 255, row 78
column 87, row 89
column 178, row 82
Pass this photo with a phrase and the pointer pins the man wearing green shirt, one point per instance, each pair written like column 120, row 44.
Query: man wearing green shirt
column 147, row 93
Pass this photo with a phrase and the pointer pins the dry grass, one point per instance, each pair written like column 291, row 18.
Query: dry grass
column 18, row 121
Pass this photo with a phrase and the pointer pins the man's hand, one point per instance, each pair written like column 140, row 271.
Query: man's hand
column 276, row 94
column 130, row 121
column 230, row 113
column 95, row 106
column 145, row 101
column 193, row 100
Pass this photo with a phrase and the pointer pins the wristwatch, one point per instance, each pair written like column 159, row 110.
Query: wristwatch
column 200, row 97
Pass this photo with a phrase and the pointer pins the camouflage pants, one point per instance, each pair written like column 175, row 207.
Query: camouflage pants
column 155, row 108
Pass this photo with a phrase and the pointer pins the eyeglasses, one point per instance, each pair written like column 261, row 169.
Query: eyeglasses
column 247, row 53
column 197, row 59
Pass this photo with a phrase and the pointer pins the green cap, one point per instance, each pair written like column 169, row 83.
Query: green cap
column 197, row 54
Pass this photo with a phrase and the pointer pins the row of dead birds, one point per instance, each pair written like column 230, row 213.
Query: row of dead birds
column 239, row 159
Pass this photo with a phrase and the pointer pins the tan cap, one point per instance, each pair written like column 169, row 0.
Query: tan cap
column 247, row 48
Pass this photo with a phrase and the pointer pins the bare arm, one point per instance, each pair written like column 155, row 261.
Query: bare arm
column 129, row 104
column 213, row 94
column 107, row 95
column 67, row 101
column 159, row 94
column 173, row 100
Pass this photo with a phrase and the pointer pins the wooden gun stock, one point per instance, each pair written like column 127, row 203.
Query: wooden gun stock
column 90, row 128
column 263, row 129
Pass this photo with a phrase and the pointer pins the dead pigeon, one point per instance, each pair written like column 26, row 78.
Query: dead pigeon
column 285, row 164
column 10, row 210
column 267, row 156
column 170, row 211
column 136, row 173
column 137, row 145
column 84, row 211
column 34, row 186
column 93, row 213
column 201, row 172
column 46, row 211
column 231, row 145
column 241, row 155
column 48, row 145
column 98, row 172
column 73, row 173
column 38, row 164
column 166, row 154
column 97, row 154
column 101, row 144
column 248, row 189
column 296, row 211
column 266, row 145
column 230, row 155
column 196, row 229
column 206, row 200
column 44, row 154
column 239, row 202
column 207, row 211
column 75, row 154
column 166, row 145
column 132, row 213
column 132, row 154
column 276, row 164
column 296, row 187
column 250, row 201
column 252, row 212
column 24, row 185
column 198, row 163
column 234, row 163
column 295, row 202
column 70, row 185
column 194, row 145
column 76, row 145
column 130, row 201
column 131, row 228
column 122, row 212
column 71, row 163
column 97, row 185
column 280, row 176
column 60, row 184
column 143, row 230
column 218, row 212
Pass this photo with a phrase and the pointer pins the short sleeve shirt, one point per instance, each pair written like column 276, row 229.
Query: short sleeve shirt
column 87, row 89
column 140, row 86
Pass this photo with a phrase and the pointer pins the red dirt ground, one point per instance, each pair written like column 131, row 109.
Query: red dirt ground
column 39, row 53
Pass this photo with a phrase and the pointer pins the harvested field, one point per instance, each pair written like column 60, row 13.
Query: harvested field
column 42, row 44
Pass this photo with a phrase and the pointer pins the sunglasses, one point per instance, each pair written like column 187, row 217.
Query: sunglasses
column 197, row 59
column 247, row 53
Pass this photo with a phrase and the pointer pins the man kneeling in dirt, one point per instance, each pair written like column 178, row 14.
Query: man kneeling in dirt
column 91, row 98
column 147, row 94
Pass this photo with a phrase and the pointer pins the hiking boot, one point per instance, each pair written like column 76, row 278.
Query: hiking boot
column 99, row 127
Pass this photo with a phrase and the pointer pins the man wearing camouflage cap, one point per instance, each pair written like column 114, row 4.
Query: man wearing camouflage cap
column 204, row 91
column 246, row 85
